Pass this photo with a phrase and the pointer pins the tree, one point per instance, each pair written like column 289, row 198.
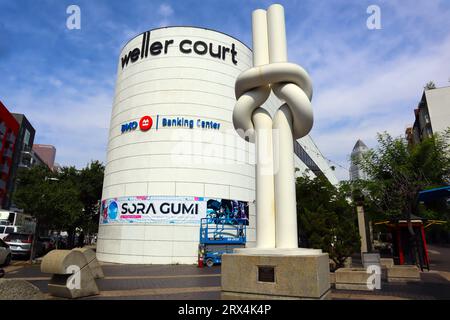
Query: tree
column 63, row 200
column 53, row 203
column 51, row 200
column 430, row 86
column 91, row 186
column 326, row 219
column 32, row 194
column 398, row 172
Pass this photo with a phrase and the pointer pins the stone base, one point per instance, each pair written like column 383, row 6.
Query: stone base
column 275, row 274
column 71, row 274
column 403, row 273
column 332, row 279
column 19, row 290
column 59, row 285
column 96, row 269
column 250, row 296
column 387, row 262
column 352, row 279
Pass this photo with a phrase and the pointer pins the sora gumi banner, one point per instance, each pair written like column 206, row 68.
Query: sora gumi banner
column 170, row 210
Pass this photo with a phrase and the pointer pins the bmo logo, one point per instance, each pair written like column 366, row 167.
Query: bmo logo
column 144, row 124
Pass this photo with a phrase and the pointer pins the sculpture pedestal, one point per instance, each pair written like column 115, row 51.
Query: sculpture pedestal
column 253, row 273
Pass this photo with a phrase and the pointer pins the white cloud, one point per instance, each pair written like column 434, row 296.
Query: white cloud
column 365, row 81
column 385, row 86
column 165, row 10
column 55, row 82
column 76, row 124
column 383, row 100
column 372, row 84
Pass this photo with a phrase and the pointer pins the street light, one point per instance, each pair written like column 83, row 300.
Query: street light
column 51, row 179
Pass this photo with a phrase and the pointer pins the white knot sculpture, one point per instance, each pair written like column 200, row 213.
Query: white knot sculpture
column 276, row 222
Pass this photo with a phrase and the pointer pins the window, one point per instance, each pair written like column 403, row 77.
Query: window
column 26, row 139
column 2, row 229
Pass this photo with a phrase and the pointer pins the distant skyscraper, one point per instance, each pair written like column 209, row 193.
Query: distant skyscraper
column 355, row 171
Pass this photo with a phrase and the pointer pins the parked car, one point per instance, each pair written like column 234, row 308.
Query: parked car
column 5, row 230
column 20, row 244
column 5, row 253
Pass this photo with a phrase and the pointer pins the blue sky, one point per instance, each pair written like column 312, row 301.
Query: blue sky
column 365, row 81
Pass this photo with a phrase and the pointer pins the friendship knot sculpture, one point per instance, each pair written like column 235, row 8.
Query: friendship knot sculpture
column 276, row 222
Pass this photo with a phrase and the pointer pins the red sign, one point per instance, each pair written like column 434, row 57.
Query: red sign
column 145, row 123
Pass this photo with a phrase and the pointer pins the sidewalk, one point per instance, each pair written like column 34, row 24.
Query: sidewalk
column 138, row 281
column 192, row 283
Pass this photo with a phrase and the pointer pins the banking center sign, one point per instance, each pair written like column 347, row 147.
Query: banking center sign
column 170, row 210
column 146, row 123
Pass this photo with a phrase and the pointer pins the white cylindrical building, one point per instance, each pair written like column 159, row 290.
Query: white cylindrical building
column 173, row 154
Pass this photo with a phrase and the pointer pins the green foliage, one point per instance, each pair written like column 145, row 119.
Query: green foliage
column 61, row 200
column 430, row 86
column 398, row 172
column 91, row 185
column 361, row 192
column 326, row 219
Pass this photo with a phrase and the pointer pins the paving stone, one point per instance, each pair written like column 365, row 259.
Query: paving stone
column 19, row 290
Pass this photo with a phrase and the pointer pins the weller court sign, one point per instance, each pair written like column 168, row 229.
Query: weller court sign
column 185, row 46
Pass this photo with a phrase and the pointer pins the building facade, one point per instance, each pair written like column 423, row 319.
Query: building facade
column 173, row 155
column 9, row 130
column 46, row 153
column 356, row 173
column 432, row 115
column 23, row 155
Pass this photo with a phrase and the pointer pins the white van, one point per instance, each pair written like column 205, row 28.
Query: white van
column 5, row 230
column 14, row 218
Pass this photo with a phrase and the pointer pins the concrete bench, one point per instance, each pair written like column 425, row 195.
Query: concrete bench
column 352, row 279
column 93, row 264
column 403, row 273
column 386, row 262
column 332, row 279
column 71, row 273
column 369, row 259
